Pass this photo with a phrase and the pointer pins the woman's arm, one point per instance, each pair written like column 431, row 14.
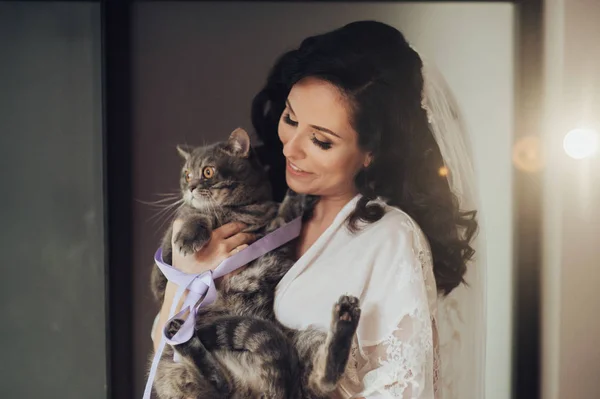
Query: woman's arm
column 398, row 356
column 405, row 364
column 164, row 312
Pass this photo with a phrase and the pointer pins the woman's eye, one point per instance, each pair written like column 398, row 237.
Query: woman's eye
column 208, row 172
column 321, row 144
column 289, row 121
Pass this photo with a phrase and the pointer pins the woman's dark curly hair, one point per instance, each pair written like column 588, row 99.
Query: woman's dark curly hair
column 380, row 76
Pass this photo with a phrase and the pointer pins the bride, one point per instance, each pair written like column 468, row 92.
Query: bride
column 353, row 116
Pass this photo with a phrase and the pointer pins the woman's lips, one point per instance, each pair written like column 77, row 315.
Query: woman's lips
column 295, row 170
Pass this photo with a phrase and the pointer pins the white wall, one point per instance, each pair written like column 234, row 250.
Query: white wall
column 197, row 67
column 571, row 272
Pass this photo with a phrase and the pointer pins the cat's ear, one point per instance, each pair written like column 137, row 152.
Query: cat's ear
column 185, row 151
column 238, row 144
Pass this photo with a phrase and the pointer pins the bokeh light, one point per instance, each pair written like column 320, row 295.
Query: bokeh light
column 581, row 143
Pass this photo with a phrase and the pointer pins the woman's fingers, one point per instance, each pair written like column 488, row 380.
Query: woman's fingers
column 233, row 252
column 239, row 239
column 225, row 241
column 228, row 230
column 238, row 249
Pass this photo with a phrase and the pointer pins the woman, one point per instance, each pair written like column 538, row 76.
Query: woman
column 342, row 117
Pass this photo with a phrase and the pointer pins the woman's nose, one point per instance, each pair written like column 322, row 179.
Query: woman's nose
column 292, row 147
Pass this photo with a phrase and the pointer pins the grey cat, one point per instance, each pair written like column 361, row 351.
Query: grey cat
column 239, row 350
column 219, row 183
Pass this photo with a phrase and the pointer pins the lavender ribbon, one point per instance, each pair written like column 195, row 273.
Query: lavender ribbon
column 202, row 284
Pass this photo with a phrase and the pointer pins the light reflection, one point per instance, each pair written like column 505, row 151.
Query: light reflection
column 581, row 143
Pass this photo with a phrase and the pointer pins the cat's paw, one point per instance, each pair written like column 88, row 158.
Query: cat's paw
column 346, row 314
column 191, row 238
column 173, row 327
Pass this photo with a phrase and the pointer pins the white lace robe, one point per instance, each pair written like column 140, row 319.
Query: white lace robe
column 388, row 266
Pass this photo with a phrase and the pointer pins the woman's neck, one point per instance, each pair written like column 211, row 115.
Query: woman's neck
column 328, row 207
column 323, row 216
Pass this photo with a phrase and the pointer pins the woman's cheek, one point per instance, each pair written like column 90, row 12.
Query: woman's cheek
column 280, row 131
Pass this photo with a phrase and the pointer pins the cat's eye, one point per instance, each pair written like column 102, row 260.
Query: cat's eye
column 187, row 175
column 208, row 172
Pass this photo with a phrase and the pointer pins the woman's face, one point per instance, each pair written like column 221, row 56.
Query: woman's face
column 320, row 145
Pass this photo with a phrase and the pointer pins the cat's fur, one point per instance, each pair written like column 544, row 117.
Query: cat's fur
column 239, row 350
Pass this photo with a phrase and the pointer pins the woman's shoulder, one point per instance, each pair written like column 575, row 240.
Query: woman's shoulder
column 395, row 231
column 393, row 220
column 398, row 248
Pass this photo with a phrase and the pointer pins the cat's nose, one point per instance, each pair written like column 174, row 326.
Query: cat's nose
column 193, row 185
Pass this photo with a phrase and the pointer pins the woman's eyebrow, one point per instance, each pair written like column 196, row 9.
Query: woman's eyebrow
column 319, row 128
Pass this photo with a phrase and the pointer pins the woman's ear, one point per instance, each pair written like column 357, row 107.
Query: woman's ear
column 368, row 160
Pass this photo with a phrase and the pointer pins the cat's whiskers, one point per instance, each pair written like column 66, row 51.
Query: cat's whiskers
column 161, row 202
column 165, row 215
column 166, row 196
column 167, row 210
column 212, row 204
column 176, row 194
column 168, row 215
column 168, row 204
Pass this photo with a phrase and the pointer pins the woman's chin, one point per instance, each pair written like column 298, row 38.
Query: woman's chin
column 296, row 186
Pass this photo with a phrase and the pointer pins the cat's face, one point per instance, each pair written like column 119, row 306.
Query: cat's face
column 222, row 174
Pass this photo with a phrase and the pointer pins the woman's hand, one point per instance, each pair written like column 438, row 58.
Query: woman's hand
column 224, row 242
